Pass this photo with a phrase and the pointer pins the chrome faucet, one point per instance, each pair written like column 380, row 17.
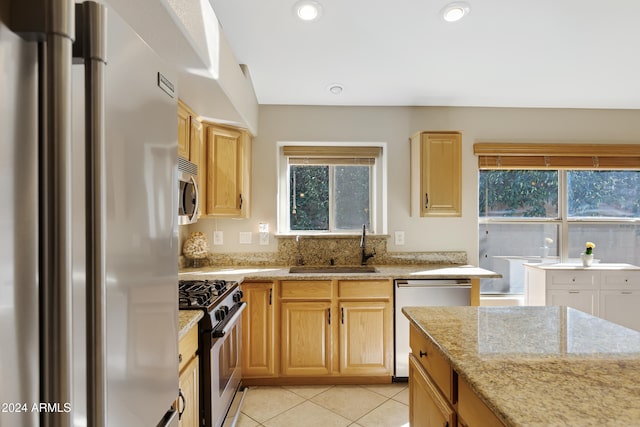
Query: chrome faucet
column 363, row 246
column 299, row 259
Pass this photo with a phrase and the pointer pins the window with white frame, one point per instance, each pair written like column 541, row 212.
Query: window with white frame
column 542, row 203
column 330, row 188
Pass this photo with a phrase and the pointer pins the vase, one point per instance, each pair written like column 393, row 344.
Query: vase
column 587, row 259
column 196, row 247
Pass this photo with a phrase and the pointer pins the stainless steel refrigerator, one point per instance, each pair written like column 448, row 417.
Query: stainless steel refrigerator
column 88, row 220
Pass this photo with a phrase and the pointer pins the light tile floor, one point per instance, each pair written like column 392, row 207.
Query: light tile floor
column 385, row 405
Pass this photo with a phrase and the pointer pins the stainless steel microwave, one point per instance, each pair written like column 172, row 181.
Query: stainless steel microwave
column 187, row 192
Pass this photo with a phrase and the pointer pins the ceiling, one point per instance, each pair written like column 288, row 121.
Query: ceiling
column 534, row 53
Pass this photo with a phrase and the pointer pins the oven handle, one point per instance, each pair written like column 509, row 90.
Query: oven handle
column 229, row 321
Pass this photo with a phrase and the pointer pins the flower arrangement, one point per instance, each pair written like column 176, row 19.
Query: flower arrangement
column 589, row 250
column 547, row 241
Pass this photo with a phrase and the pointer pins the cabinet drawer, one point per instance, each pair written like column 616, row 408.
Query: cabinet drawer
column 621, row 280
column 572, row 280
column 187, row 347
column 305, row 289
column 433, row 362
column 365, row 289
column 472, row 410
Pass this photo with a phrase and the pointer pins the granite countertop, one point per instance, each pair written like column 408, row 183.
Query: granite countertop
column 540, row 366
column 188, row 319
column 426, row 271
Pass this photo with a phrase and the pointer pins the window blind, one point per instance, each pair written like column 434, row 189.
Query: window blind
column 330, row 155
column 493, row 155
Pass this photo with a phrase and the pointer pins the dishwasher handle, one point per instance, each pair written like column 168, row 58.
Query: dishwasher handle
column 428, row 283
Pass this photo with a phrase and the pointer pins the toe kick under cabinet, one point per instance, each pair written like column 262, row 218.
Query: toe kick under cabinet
column 609, row 291
column 327, row 331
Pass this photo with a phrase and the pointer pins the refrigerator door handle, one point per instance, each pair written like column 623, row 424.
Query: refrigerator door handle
column 90, row 49
column 50, row 22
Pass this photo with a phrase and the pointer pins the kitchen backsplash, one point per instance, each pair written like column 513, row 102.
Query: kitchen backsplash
column 321, row 250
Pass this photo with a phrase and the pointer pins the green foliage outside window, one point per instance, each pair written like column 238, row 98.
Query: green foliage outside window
column 309, row 198
column 534, row 193
column 523, row 194
column 329, row 198
column 604, row 194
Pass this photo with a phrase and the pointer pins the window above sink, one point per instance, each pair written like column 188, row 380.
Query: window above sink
column 331, row 187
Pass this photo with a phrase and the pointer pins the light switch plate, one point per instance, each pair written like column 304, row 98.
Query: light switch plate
column 399, row 238
column 218, row 238
column 245, row 237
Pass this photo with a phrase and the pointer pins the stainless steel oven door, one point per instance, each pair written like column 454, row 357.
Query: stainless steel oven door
column 226, row 370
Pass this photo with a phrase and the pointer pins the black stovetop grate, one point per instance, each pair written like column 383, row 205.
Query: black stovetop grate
column 200, row 293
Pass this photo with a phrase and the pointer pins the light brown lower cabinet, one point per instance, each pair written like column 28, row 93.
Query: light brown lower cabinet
column 306, row 338
column 318, row 330
column 364, row 334
column 472, row 411
column 188, row 403
column 258, row 326
column 438, row 396
column 427, row 406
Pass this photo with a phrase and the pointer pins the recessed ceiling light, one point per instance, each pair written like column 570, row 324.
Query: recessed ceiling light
column 454, row 12
column 336, row 88
column 307, row 10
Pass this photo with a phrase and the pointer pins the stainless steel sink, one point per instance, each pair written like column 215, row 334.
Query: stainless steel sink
column 333, row 269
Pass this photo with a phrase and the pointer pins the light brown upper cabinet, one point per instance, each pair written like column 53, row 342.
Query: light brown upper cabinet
column 436, row 174
column 184, row 116
column 228, row 166
column 223, row 157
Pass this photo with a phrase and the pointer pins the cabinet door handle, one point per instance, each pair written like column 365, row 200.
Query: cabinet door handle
column 329, row 315
column 270, row 295
column 184, row 404
column 426, row 200
column 627, row 292
column 240, row 200
column 342, row 315
column 423, row 353
column 574, row 292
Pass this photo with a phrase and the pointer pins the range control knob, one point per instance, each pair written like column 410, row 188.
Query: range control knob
column 237, row 297
column 221, row 313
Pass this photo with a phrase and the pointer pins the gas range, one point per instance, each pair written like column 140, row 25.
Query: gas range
column 220, row 331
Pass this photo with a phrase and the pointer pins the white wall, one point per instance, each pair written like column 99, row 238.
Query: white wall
column 394, row 125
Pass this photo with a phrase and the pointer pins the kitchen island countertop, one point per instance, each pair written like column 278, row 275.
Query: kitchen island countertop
column 540, row 366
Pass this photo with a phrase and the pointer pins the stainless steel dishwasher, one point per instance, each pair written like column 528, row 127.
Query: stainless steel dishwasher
column 422, row 292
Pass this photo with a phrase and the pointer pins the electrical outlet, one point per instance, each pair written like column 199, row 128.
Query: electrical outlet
column 264, row 238
column 245, row 237
column 218, row 238
column 399, row 238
